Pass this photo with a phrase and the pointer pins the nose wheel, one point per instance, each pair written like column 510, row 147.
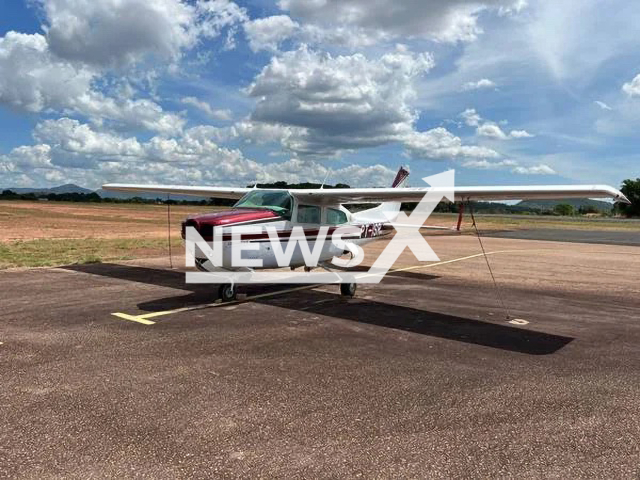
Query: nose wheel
column 227, row 292
column 348, row 289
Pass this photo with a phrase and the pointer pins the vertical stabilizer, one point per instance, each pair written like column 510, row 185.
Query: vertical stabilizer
column 401, row 176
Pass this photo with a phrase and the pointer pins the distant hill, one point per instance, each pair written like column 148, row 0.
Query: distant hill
column 67, row 188
column 73, row 188
column 574, row 202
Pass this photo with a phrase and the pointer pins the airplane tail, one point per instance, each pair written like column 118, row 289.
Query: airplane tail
column 380, row 214
column 401, row 176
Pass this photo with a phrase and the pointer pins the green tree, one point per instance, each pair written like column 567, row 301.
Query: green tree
column 631, row 189
column 564, row 209
column 586, row 209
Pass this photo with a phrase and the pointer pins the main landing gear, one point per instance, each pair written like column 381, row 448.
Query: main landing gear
column 227, row 292
column 348, row 289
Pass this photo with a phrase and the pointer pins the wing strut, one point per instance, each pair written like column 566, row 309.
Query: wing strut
column 460, row 215
column 169, row 229
column 484, row 253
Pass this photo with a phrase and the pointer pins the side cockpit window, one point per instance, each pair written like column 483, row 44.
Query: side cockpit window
column 308, row 214
column 336, row 217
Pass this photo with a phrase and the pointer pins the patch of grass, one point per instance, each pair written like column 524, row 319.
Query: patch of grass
column 90, row 259
column 55, row 252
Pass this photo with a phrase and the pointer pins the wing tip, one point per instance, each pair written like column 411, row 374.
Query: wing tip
column 623, row 199
column 617, row 195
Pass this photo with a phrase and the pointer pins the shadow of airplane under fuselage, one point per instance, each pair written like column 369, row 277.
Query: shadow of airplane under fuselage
column 399, row 317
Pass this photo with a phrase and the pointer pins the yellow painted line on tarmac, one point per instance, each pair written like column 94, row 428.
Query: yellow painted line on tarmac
column 133, row 318
column 144, row 318
column 445, row 262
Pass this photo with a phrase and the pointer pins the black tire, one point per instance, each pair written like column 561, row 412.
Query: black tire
column 227, row 292
column 348, row 289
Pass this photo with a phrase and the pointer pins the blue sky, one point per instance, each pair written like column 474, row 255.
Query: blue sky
column 216, row 92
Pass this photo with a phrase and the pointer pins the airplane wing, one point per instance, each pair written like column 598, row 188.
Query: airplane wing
column 376, row 195
column 334, row 196
column 204, row 191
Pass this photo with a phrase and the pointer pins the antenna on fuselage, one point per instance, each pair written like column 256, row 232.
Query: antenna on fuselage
column 325, row 179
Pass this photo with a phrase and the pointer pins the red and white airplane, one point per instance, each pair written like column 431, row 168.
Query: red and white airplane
column 312, row 209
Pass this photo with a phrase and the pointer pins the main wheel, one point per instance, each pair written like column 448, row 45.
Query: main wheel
column 227, row 292
column 348, row 289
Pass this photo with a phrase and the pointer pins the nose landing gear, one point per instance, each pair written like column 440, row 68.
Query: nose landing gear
column 227, row 292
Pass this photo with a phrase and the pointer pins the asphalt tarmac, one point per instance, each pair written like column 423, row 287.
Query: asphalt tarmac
column 422, row 375
column 630, row 237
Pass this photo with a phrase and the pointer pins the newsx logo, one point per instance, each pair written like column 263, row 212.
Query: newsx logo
column 407, row 236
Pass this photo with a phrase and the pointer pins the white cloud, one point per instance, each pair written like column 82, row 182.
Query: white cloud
column 471, row 117
column 120, row 32
column 35, row 80
column 131, row 113
column 632, row 88
column 520, row 134
column 480, row 84
column 512, row 165
column 602, row 105
column 32, row 79
column 212, row 16
column 263, row 133
column 514, row 8
column 297, row 170
column 338, row 103
column 208, row 109
column 459, row 25
column 540, row 169
column 491, row 130
column 70, row 151
column 316, row 104
column 488, row 165
column 106, row 155
column 442, row 20
column 75, row 144
column 347, row 36
column 27, row 157
column 270, row 32
column 267, row 33
column 439, row 143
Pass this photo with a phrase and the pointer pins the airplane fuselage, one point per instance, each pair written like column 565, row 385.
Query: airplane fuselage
column 249, row 226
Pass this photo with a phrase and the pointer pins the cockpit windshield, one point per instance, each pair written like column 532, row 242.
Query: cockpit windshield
column 278, row 201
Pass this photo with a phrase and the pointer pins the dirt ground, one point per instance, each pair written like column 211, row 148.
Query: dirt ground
column 35, row 234
column 21, row 220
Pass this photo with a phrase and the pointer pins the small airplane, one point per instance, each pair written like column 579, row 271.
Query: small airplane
column 311, row 209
